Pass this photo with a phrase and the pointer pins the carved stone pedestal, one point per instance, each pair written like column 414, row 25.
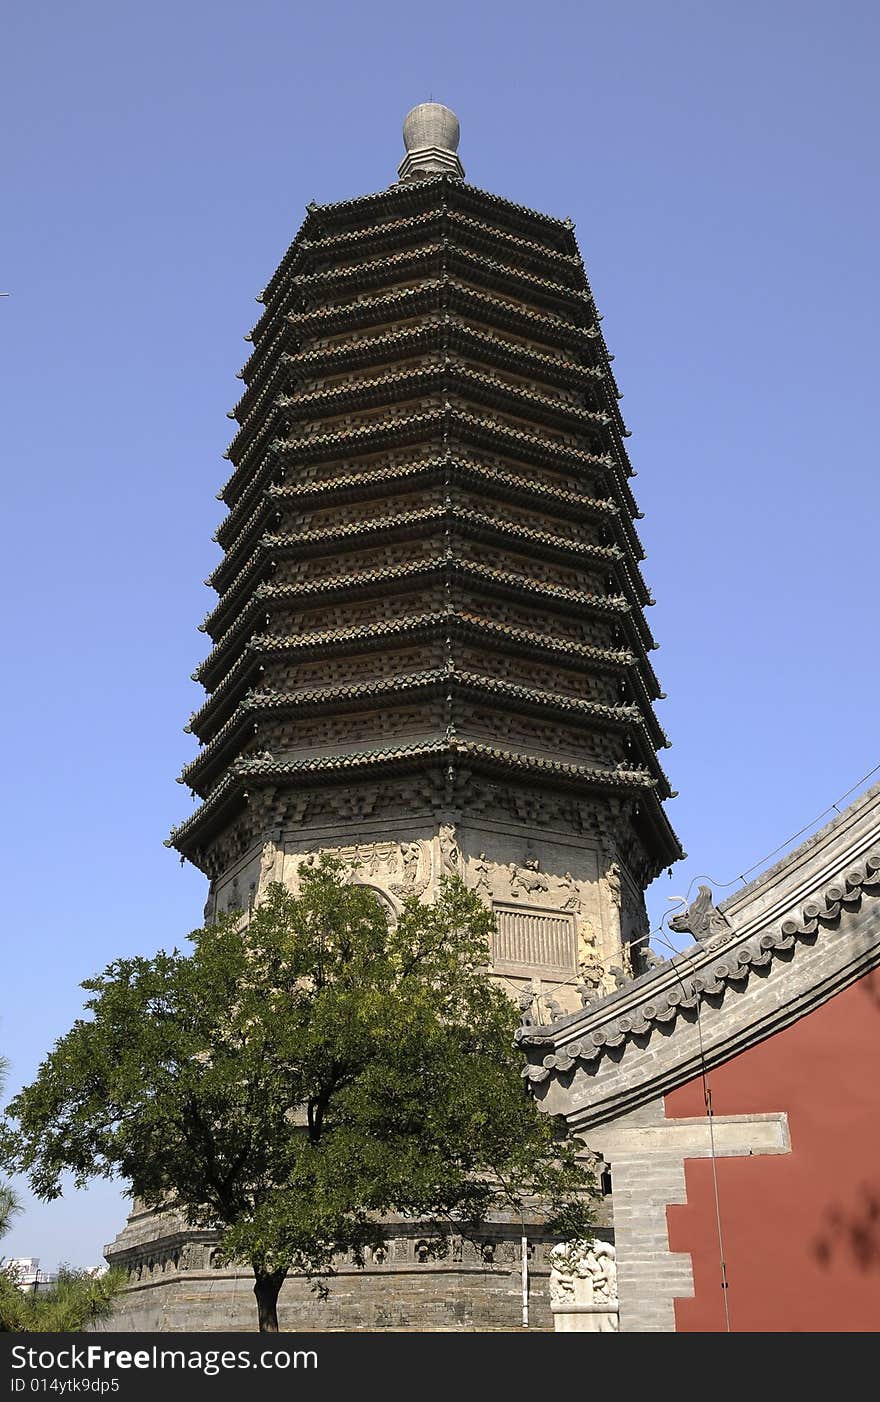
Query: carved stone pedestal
column 583, row 1287
column 585, row 1319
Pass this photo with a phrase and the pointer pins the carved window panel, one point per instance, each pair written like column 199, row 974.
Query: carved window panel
column 529, row 940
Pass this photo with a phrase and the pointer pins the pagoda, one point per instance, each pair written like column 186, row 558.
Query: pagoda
column 429, row 656
column 429, row 650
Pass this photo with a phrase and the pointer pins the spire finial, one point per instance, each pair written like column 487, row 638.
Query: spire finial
column 430, row 134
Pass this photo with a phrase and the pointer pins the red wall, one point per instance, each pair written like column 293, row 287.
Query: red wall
column 801, row 1230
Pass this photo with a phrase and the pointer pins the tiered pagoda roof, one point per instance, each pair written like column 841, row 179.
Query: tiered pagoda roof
column 430, row 558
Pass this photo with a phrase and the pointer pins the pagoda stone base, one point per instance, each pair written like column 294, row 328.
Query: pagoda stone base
column 567, row 911
column 176, row 1287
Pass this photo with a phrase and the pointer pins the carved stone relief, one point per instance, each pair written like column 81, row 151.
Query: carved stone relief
column 551, row 910
column 583, row 1276
column 400, row 868
column 449, row 851
column 268, row 866
column 525, row 881
column 613, row 884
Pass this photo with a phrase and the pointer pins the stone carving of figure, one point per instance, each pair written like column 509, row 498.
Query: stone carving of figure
column 614, row 885
column 267, row 864
column 481, row 872
column 603, row 1270
column 450, row 853
column 573, row 896
column 590, row 966
column 410, row 857
column 525, row 1001
column 583, row 1273
column 528, row 878
column 701, row 919
column 554, row 1009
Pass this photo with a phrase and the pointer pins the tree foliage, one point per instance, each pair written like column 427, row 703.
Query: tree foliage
column 290, row 1081
column 9, row 1206
column 75, row 1299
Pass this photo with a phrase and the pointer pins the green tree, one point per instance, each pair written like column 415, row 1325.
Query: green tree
column 290, row 1082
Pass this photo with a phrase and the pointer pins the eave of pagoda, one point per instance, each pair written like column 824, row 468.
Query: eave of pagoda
column 604, row 359
column 473, row 756
column 458, row 626
column 258, row 403
column 254, row 505
column 442, row 330
column 345, row 697
column 411, row 197
column 217, row 708
column 433, row 295
column 364, row 486
column 201, row 773
column 398, row 580
column 533, row 224
column 433, row 225
column 270, row 473
column 532, row 448
column 452, row 623
column 431, row 263
column 431, row 260
column 448, row 424
column 445, row 374
column 415, row 524
column 305, row 289
column 448, row 375
column 442, row 293
column 259, row 648
column 512, row 696
column 506, row 694
column 306, row 544
column 555, row 333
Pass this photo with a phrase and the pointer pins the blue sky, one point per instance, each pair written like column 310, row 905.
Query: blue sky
column 719, row 162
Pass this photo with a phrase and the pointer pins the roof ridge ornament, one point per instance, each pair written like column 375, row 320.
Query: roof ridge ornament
column 431, row 135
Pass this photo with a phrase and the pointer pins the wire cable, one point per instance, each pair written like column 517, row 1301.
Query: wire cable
column 761, row 862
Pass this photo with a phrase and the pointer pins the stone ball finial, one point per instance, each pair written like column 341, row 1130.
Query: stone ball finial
column 431, row 124
column 431, row 135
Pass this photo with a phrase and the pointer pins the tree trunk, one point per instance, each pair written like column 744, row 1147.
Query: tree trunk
column 267, row 1285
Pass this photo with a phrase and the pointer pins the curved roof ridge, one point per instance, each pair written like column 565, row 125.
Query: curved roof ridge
column 806, row 942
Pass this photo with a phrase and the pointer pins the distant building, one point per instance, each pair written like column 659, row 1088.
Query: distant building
column 25, row 1270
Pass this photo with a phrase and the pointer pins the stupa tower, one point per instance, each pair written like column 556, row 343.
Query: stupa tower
column 429, row 650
